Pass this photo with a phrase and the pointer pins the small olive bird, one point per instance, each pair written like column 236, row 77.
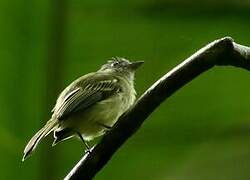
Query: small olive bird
column 91, row 104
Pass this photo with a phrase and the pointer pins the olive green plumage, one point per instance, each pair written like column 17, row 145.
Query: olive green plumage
column 90, row 104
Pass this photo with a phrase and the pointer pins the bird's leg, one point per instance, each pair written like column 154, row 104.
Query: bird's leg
column 84, row 142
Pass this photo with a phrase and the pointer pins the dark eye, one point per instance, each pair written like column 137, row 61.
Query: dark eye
column 114, row 64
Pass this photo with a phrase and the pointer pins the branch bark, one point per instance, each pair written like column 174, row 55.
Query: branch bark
column 220, row 52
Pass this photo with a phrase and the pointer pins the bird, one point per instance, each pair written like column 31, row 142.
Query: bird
column 89, row 106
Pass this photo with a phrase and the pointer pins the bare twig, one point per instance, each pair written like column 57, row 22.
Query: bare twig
column 220, row 52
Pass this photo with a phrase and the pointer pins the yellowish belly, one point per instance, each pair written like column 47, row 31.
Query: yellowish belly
column 88, row 122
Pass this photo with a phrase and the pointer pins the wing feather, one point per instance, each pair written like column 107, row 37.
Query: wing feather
column 83, row 95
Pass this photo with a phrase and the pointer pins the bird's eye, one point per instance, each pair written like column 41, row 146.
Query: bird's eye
column 114, row 64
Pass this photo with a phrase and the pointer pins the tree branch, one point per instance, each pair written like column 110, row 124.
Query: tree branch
column 220, row 52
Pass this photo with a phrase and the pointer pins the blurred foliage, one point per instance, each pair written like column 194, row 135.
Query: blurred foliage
column 202, row 132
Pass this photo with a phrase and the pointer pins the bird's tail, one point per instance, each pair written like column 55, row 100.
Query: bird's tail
column 42, row 133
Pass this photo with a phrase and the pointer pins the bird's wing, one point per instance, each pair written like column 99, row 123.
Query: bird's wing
column 83, row 95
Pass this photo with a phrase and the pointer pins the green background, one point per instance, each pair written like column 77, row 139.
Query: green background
column 201, row 132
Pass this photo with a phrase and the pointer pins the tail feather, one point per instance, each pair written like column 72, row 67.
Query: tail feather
column 42, row 133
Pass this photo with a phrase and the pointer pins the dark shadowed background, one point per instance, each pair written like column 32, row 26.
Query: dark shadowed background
column 202, row 132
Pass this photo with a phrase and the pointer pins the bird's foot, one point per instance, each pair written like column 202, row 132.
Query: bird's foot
column 87, row 151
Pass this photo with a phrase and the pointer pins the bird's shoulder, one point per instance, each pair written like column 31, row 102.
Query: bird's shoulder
column 98, row 84
column 90, row 80
column 96, row 78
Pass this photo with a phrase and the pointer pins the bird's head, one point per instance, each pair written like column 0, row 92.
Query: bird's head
column 121, row 66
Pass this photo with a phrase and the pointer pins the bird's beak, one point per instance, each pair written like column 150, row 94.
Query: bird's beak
column 135, row 65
